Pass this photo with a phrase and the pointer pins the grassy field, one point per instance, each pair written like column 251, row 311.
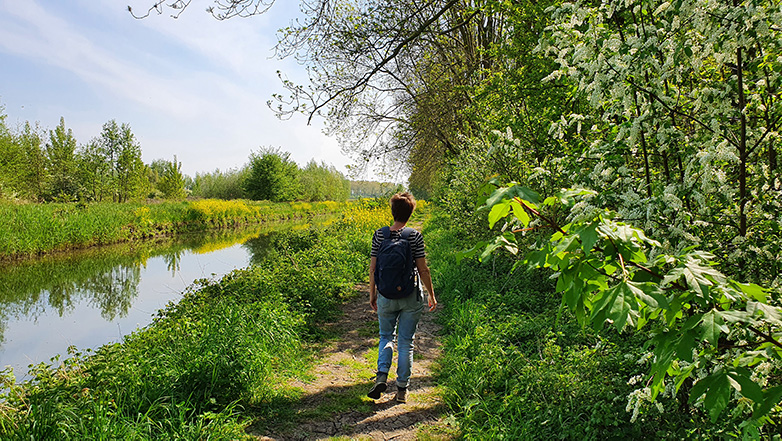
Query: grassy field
column 30, row 229
column 210, row 365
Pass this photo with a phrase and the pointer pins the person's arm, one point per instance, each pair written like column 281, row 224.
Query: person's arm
column 426, row 279
column 372, row 289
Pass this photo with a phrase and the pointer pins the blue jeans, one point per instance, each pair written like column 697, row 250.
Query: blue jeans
column 405, row 313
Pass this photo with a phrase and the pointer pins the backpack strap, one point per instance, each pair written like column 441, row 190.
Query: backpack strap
column 386, row 232
column 406, row 232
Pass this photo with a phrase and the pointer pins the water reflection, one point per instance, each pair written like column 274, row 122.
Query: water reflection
column 95, row 296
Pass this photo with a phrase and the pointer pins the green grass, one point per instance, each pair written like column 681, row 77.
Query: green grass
column 210, row 365
column 30, row 229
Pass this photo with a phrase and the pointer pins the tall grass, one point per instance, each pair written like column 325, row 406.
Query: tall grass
column 29, row 229
column 209, row 365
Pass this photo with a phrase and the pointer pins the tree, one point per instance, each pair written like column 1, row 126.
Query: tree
column 390, row 77
column 272, row 176
column 33, row 175
column 221, row 184
column 172, row 182
column 684, row 116
column 704, row 327
column 123, row 155
column 10, row 158
column 61, row 155
column 323, row 183
column 95, row 171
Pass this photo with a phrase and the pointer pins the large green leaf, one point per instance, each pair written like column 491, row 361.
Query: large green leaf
column 717, row 395
column 771, row 398
column 685, row 346
column 512, row 191
column 717, row 390
column 520, row 213
column 498, row 212
column 712, row 326
column 768, row 312
column 618, row 304
column 589, row 237
column 754, row 291
column 743, row 377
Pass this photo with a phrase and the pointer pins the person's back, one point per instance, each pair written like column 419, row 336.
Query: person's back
column 398, row 306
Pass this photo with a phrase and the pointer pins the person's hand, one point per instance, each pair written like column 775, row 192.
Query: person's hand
column 432, row 303
column 373, row 301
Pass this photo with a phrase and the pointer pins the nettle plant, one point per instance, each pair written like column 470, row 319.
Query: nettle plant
column 715, row 335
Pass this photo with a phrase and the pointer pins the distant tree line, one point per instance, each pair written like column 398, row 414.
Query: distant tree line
column 49, row 165
column 373, row 189
column 272, row 175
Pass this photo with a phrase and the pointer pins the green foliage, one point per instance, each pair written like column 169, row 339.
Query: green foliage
column 172, row 182
column 31, row 175
column 220, row 184
column 680, row 132
column 30, row 229
column 63, row 185
column 210, row 364
column 703, row 326
column 517, row 364
column 323, row 183
column 272, row 176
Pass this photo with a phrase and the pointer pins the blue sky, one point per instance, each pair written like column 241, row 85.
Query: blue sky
column 193, row 87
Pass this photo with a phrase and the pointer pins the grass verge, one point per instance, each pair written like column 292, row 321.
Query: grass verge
column 210, row 365
column 30, row 229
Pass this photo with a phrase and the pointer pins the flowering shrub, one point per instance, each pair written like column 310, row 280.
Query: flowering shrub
column 721, row 336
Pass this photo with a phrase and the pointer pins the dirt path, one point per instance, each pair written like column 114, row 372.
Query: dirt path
column 334, row 402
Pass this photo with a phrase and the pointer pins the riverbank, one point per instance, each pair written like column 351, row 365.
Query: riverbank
column 35, row 229
column 212, row 364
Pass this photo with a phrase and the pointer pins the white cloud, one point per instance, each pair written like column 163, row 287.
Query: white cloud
column 193, row 87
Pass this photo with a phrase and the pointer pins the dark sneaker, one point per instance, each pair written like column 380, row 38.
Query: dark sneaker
column 379, row 387
column 401, row 395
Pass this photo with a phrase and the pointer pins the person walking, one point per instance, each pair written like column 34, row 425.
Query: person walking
column 397, row 255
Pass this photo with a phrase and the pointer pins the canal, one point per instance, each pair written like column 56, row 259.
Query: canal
column 92, row 297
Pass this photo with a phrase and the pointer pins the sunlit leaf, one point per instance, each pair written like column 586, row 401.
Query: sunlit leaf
column 712, row 326
column 589, row 237
column 520, row 213
column 754, row 291
column 768, row 312
column 498, row 212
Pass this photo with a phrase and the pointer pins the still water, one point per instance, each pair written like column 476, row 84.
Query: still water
column 93, row 297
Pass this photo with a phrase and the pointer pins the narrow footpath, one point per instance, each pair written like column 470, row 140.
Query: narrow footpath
column 334, row 404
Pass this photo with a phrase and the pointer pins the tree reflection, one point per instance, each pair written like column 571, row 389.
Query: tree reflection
column 173, row 261
column 105, row 278
column 113, row 292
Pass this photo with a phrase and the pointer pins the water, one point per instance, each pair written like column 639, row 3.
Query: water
column 93, row 297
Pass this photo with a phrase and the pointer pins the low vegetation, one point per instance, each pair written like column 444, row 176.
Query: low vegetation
column 209, row 365
column 30, row 229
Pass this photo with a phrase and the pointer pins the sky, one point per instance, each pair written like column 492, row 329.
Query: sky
column 193, row 87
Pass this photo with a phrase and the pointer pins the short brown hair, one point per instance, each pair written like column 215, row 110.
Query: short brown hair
column 402, row 206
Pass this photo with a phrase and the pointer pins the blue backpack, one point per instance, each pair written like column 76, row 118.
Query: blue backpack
column 395, row 275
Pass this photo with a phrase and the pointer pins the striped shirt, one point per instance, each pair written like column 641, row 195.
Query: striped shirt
column 416, row 243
